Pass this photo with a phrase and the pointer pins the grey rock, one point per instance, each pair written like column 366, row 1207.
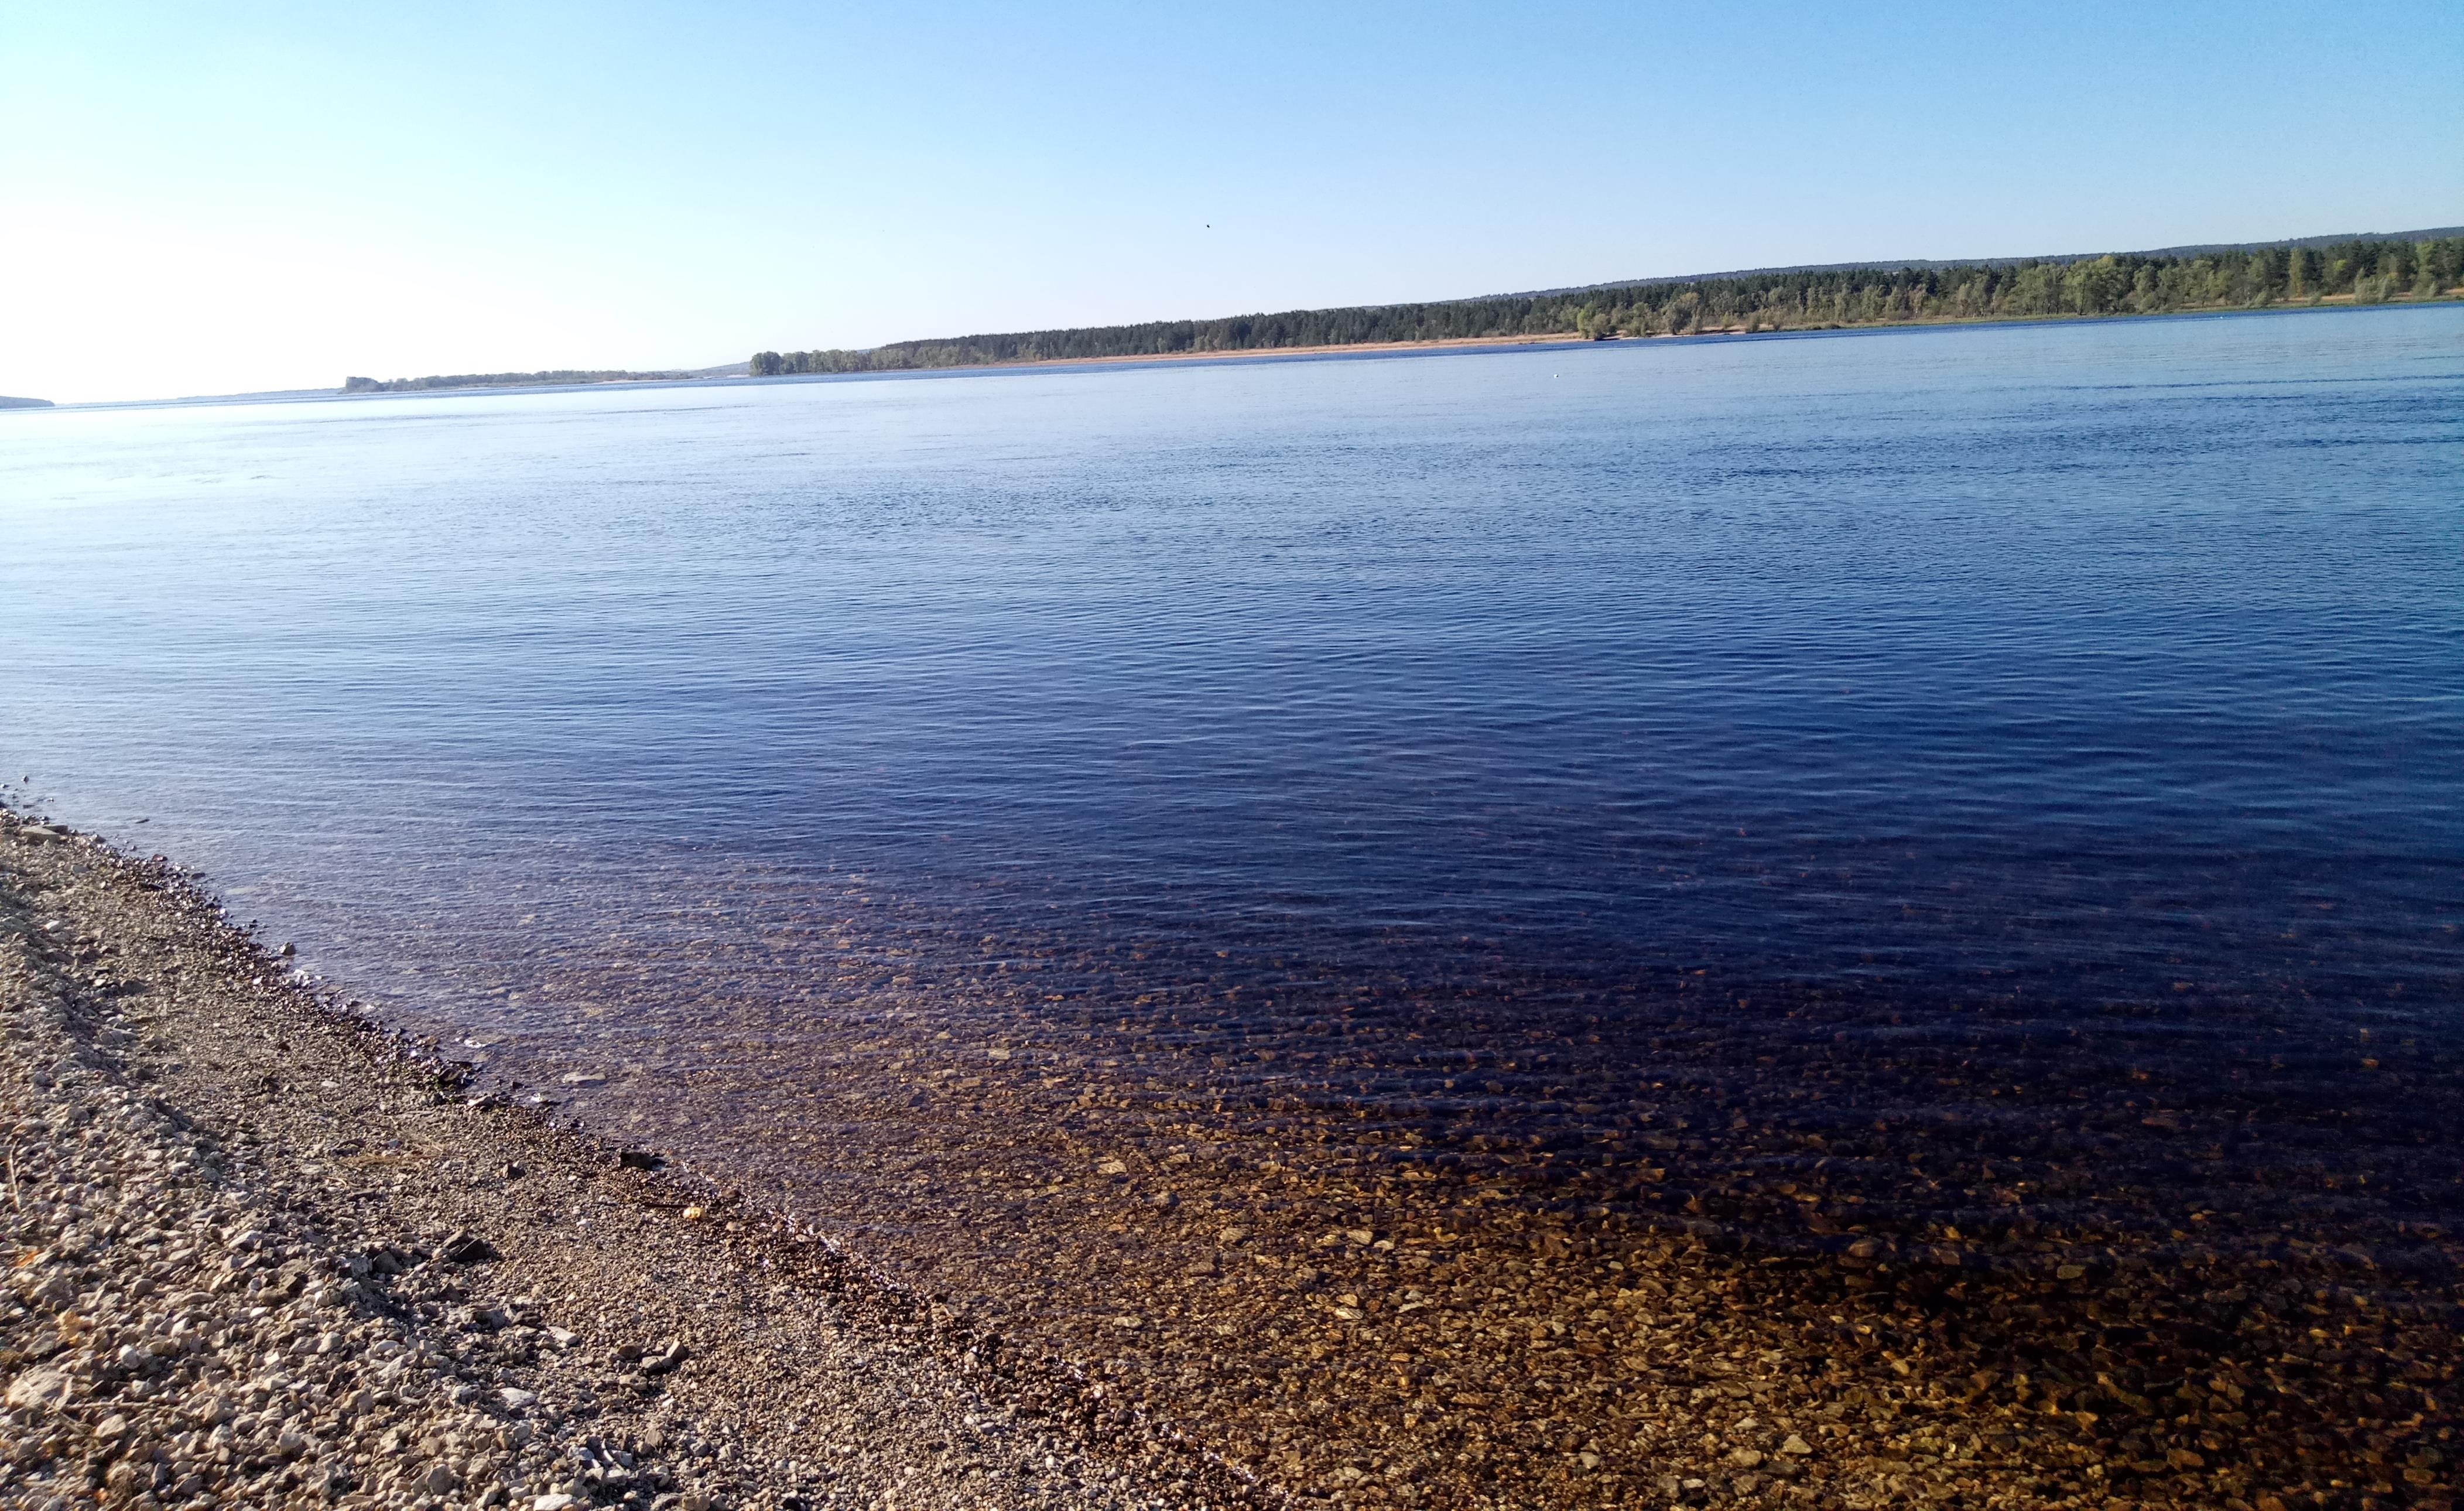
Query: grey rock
column 468, row 1248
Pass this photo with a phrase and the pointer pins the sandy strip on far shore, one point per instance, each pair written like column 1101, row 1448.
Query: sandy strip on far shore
column 1569, row 337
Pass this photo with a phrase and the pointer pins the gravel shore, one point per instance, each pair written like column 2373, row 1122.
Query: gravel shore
column 263, row 1254
column 266, row 1252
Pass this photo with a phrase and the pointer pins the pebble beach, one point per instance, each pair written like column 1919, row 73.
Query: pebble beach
column 267, row 1252
column 265, row 1255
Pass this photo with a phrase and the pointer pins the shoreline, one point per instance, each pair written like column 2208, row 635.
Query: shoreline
column 1574, row 339
column 268, row 1254
column 2057, row 1368
column 2332, row 302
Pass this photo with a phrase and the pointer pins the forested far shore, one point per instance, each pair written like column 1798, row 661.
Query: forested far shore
column 497, row 380
column 2366, row 270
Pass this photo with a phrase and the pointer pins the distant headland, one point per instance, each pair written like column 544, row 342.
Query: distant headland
column 8, row 403
column 2369, row 269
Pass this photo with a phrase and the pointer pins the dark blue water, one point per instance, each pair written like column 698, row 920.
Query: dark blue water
column 2094, row 657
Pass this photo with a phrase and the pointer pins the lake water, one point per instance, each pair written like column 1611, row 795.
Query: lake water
column 1473, row 752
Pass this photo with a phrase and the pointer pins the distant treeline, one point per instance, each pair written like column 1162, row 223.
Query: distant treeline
column 493, row 380
column 2365, row 271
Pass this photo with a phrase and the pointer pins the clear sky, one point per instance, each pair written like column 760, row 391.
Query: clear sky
column 234, row 196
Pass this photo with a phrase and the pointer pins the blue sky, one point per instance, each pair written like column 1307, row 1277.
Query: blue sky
column 239, row 196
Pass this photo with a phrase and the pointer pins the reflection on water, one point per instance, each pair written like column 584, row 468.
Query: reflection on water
column 1991, row 789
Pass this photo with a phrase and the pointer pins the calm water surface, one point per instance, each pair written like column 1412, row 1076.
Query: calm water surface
column 2063, row 667
column 2105, row 655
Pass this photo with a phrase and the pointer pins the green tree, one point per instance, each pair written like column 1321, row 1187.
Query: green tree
column 1774, row 301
